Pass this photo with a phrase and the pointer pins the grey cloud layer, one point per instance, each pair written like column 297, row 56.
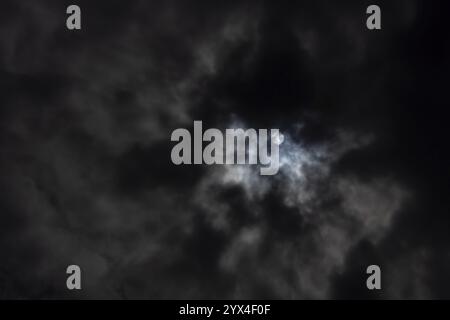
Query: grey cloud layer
column 86, row 152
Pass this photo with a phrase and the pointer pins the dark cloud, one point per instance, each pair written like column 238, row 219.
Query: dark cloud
column 86, row 176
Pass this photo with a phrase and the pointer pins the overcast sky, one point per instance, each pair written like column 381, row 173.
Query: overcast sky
column 85, row 170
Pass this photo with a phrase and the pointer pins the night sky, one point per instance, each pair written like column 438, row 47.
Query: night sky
column 86, row 176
